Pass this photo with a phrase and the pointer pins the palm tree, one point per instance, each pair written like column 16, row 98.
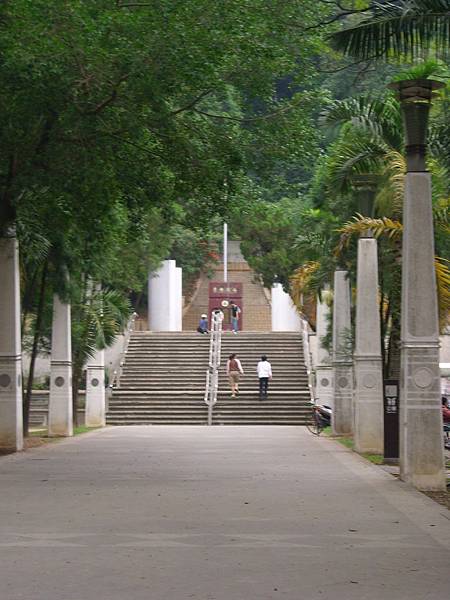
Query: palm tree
column 98, row 317
column 406, row 28
column 370, row 141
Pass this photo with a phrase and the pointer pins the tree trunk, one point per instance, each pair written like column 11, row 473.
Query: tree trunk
column 35, row 349
column 393, row 359
column 26, row 299
column 76, row 379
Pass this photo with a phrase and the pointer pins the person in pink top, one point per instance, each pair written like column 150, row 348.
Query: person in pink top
column 234, row 372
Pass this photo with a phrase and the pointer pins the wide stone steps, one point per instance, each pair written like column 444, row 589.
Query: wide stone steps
column 163, row 381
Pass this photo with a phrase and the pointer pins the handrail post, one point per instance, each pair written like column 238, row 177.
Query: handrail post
column 307, row 358
column 212, row 373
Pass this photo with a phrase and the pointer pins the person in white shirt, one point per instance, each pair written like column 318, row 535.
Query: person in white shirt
column 264, row 369
column 234, row 372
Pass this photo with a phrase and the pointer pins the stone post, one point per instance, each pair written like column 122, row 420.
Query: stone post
column 95, row 413
column 421, row 442
column 11, row 420
column 342, row 356
column 369, row 415
column 368, row 399
column 324, row 370
column 60, row 417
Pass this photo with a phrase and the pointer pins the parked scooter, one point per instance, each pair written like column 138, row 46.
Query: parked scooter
column 324, row 413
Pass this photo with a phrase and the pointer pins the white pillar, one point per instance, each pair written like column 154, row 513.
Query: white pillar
column 421, row 443
column 178, row 299
column 225, row 252
column 368, row 426
column 95, row 413
column 323, row 368
column 342, row 422
column 60, row 418
column 11, row 419
column 284, row 314
column 165, row 298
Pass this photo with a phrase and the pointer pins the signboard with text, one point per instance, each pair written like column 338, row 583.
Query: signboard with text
column 391, row 419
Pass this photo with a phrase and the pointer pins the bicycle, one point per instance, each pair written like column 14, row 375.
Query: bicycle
column 315, row 422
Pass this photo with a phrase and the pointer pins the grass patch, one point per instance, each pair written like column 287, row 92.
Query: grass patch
column 376, row 459
column 39, row 437
column 83, row 429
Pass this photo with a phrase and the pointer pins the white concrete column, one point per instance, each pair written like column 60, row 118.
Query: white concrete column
column 178, row 299
column 421, row 443
column 95, row 413
column 342, row 422
column 11, row 419
column 60, row 417
column 323, row 367
column 165, row 298
column 368, row 426
column 284, row 314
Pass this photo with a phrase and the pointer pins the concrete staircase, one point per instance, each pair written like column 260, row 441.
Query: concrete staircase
column 163, row 381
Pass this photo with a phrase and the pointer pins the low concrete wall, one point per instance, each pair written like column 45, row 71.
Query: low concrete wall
column 39, row 408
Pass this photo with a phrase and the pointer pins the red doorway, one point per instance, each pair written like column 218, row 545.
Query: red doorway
column 221, row 295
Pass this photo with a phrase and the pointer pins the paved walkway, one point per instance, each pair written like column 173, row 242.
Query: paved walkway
column 232, row 513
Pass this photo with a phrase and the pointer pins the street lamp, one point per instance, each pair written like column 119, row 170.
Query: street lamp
column 365, row 186
column 421, row 446
column 415, row 97
column 368, row 399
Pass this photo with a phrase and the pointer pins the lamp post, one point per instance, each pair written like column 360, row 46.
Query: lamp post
column 421, row 446
column 368, row 400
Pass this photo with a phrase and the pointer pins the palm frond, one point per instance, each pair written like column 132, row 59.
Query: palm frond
column 389, row 200
column 378, row 117
column 441, row 215
column 443, row 290
column 359, row 225
column 409, row 28
column 301, row 288
column 354, row 153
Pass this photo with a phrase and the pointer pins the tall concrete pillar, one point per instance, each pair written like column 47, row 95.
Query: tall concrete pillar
column 165, row 298
column 60, row 417
column 342, row 422
column 95, row 412
column 324, row 369
column 369, row 415
column 11, row 420
column 178, row 300
column 421, row 447
column 421, row 442
column 285, row 316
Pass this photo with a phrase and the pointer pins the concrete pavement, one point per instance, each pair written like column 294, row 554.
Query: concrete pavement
column 223, row 513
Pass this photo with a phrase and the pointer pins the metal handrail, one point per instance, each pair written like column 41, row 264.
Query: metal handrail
column 304, row 327
column 212, row 373
column 117, row 373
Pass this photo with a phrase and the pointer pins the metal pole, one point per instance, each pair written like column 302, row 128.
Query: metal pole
column 225, row 252
column 212, row 374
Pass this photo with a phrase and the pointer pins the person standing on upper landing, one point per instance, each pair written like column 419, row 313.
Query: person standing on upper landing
column 234, row 372
column 264, row 370
column 235, row 312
